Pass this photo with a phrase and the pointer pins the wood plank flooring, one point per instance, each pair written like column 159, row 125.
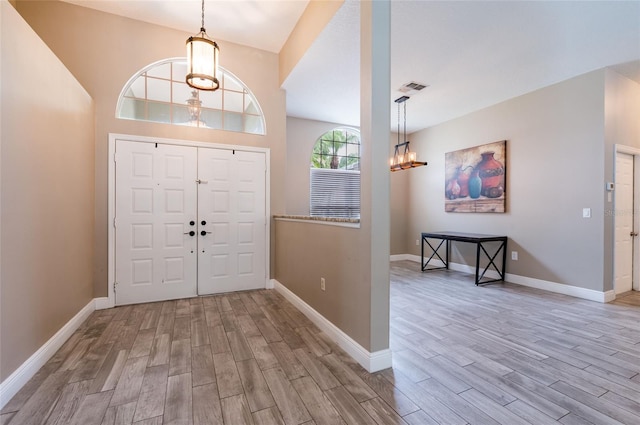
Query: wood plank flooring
column 499, row 354
column 629, row 298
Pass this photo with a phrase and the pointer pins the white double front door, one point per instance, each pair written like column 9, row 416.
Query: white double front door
column 188, row 221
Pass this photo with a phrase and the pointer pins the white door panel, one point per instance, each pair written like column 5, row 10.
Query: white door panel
column 157, row 198
column 624, row 223
column 155, row 201
column 231, row 256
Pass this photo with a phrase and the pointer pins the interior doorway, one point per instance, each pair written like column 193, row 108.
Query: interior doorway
column 626, row 220
column 188, row 219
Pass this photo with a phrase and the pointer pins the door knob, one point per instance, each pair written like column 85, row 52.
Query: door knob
column 633, row 234
column 191, row 233
column 204, row 223
column 204, row 233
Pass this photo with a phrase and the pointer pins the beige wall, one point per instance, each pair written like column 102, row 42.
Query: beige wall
column 555, row 169
column 119, row 48
column 315, row 17
column 622, row 126
column 305, row 252
column 399, row 208
column 47, row 194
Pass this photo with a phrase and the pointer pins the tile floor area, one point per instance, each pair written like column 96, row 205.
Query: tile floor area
column 499, row 354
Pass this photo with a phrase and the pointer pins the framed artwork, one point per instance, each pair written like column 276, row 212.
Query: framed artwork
column 475, row 179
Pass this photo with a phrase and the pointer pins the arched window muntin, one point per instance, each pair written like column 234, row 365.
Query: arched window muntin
column 338, row 149
column 158, row 93
column 334, row 189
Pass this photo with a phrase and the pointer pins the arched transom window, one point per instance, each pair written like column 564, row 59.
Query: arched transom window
column 159, row 93
column 335, row 174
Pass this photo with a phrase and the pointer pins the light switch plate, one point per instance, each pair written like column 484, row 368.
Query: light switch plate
column 586, row 213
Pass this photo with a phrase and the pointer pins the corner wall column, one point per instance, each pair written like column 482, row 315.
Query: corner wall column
column 375, row 59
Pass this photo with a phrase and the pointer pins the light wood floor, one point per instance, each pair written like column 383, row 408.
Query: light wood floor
column 629, row 298
column 499, row 354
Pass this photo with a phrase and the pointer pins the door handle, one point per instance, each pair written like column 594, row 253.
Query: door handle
column 191, row 233
column 204, row 233
column 632, row 234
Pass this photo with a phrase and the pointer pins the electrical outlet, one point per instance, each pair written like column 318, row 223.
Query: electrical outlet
column 417, row 242
column 514, row 255
column 322, row 284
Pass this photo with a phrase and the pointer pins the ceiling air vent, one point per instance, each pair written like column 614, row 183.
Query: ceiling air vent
column 412, row 88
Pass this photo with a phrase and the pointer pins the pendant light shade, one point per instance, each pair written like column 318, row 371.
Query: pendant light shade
column 202, row 60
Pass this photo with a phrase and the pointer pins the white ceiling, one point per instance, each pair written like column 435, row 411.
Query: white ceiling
column 263, row 24
column 473, row 54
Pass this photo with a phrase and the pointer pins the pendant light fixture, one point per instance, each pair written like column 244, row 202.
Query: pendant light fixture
column 202, row 60
column 193, row 106
column 406, row 159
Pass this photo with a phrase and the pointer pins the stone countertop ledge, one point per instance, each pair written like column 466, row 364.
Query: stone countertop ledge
column 315, row 218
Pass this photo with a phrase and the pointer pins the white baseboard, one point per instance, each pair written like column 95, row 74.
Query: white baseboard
column 405, row 257
column 103, row 303
column 10, row 386
column 559, row 288
column 609, row 296
column 417, row 259
column 378, row 360
column 372, row 362
column 400, row 257
column 270, row 283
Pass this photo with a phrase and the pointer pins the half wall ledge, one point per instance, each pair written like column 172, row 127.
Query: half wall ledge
column 332, row 221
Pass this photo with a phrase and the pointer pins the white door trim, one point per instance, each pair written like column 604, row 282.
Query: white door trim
column 618, row 148
column 112, row 196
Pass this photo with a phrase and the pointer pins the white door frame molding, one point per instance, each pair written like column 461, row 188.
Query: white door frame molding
column 110, row 301
column 618, row 148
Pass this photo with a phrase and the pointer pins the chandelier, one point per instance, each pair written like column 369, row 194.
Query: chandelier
column 202, row 60
column 405, row 159
column 193, row 106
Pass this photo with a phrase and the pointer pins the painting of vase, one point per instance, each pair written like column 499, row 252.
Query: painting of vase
column 475, row 179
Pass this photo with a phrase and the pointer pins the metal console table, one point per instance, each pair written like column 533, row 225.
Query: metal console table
column 478, row 239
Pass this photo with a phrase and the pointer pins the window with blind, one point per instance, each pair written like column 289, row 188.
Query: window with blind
column 335, row 175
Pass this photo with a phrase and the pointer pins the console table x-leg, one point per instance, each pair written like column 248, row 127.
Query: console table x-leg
column 480, row 240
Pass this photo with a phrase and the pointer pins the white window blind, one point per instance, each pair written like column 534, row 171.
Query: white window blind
column 335, row 193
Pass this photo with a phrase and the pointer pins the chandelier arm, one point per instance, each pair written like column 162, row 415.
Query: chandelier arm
column 202, row 26
column 405, row 122
column 398, row 123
